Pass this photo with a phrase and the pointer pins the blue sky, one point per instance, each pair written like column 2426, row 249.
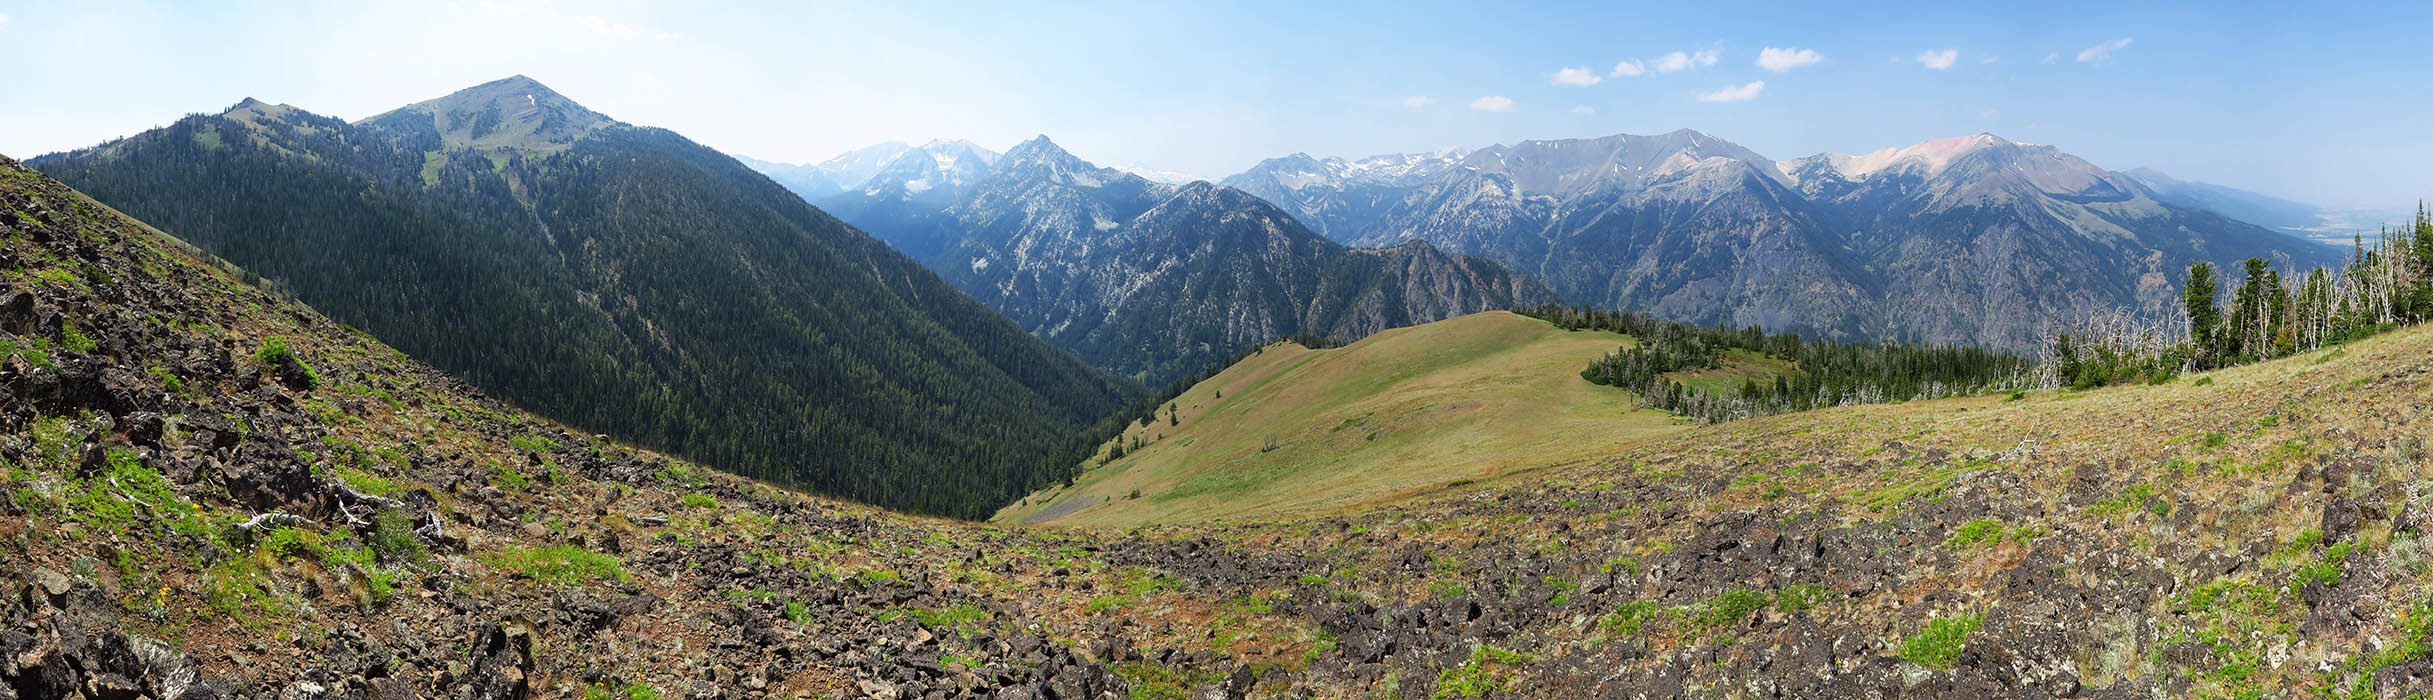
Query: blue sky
column 2327, row 104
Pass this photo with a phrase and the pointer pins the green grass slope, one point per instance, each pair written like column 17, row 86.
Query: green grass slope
column 1299, row 431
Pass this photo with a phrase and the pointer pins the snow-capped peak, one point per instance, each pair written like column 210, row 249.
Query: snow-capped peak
column 1935, row 155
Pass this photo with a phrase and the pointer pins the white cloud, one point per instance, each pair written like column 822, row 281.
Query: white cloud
column 620, row 31
column 2051, row 57
column 1780, row 60
column 2102, row 51
column 3, row 18
column 1580, row 76
column 1492, row 103
column 1989, row 113
column 1627, row 68
column 1741, row 93
column 1417, row 102
column 1678, row 61
column 1938, row 60
column 1583, row 109
column 1990, row 59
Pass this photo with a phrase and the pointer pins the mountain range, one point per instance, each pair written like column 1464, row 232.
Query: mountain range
column 1148, row 279
column 624, row 280
column 1976, row 239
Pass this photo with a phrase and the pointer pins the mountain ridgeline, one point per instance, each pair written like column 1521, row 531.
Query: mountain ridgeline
column 1147, row 279
column 1972, row 240
column 624, row 280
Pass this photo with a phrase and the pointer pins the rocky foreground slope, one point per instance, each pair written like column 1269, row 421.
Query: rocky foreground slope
column 212, row 492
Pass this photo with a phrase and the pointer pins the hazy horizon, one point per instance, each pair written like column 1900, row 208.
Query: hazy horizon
column 1210, row 91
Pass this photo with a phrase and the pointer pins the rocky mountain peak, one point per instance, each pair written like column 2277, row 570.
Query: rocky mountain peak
column 514, row 112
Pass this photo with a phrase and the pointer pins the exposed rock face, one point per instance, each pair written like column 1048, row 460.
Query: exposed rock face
column 1968, row 240
column 1155, row 280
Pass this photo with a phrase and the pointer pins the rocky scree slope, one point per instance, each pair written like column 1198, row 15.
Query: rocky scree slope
column 215, row 492
column 626, row 280
column 2263, row 531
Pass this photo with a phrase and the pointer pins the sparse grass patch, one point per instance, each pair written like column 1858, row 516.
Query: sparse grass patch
column 961, row 618
column 1489, row 670
column 561, row 564
column 532, row 443
column 2131, row 500
column 1726, row 610
column 1628, row 620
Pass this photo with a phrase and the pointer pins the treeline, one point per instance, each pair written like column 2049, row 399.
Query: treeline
column 2384, row 285
column 1826, row 373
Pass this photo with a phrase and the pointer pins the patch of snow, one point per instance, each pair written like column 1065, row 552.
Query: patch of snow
column 1934, row 154
column 979, row 264
column 917, row 186
column 1102, row 223
column 528, row 100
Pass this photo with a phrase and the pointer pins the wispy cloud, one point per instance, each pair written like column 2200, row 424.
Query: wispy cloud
column 1629, row 68
column 1990, row 59
column 1492, row 103
column 2102, row 51
column 1583, row 109
column 1939, row 60
column 1679, row 61
column 3, row 18
column 1781, row 60
column 1580, row 76
column 1740, row 93
column 2051, row 57
column 1417, row 102
column 620, row 31
column 1989, row 113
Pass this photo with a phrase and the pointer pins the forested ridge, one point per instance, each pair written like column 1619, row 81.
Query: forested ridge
column 1825, row 373
column 626, row 281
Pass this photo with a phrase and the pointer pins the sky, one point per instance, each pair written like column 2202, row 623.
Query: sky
column 2324, row 103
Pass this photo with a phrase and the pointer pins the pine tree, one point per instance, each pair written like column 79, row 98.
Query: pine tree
column 2204, row 320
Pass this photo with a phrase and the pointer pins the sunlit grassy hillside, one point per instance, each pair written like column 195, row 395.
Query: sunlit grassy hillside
column 1296, row 431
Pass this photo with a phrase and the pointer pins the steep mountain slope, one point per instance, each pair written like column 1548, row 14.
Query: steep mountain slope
column 1152, row 280
column 1968, row 240
column 2255, row 208
column 625, row 280
column 844, row 172
column 212, row 491
column 903, row 198
column 1291, row 431
column 1963, row 233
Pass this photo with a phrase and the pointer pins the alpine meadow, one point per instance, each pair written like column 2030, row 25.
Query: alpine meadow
column 1266, row 351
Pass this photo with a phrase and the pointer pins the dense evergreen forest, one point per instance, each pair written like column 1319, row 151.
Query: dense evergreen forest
column 2385, row 284
column 1824, row 373
column 626, row 281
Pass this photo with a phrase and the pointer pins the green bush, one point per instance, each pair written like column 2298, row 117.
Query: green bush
column 1983, row 532
column 274, row 354
column 1938, row 646
column 393, row 538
